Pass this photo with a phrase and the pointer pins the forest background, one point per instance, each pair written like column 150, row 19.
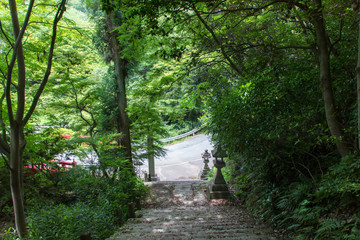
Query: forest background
column 273, row 82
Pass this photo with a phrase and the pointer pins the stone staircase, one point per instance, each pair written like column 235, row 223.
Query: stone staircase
column 180, row 210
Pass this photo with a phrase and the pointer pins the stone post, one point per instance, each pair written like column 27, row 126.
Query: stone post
column 151, row 160
column 151, row 167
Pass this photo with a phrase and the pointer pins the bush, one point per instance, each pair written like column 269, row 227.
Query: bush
column 69, row 222
column 86, row 204
column 334, row 205
column 84, row 186
column 325, row 209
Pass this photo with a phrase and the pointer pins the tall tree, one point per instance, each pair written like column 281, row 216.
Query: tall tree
column 121, row 72
column 12, row 141
column 324, row 46
column 108, row 43
column 356, row 6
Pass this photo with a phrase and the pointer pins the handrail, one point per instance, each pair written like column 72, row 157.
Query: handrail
column 192, row 132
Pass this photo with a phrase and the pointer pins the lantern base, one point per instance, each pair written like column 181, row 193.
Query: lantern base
column 219, row 195
column 218, row 191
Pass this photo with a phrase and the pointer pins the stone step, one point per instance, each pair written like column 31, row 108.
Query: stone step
column 180, row 210
column 194, row 223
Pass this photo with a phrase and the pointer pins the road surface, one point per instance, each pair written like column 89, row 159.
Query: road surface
column 183, row 160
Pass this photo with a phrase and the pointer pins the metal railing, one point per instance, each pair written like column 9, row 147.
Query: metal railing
column 192, row 132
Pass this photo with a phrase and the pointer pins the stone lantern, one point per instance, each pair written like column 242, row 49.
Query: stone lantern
column 206, row 156
column 219, row 188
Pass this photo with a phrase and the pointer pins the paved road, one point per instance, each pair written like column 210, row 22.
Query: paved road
column 183, row 160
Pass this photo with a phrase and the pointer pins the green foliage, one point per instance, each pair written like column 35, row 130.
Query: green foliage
column 76, row 73
column 79, row 203
column 265, row 109
column 250, row 70
column 45, row 144
column 9, row 234
column 83, row 203
column 332, row 228
column 329, row 211
column 108, row 104
column 68, row 222
column 85, row 187
column 154, row 107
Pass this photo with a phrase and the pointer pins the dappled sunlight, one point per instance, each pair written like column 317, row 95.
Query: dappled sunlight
column 183, row 220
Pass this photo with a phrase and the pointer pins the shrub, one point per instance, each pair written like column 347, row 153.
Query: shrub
column 87, row 204
column 69, row 222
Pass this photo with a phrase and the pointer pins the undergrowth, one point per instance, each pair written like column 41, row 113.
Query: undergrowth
column 80, row 203
column 327, row 208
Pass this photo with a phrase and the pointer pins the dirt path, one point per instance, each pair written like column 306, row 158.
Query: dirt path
column 180, row 210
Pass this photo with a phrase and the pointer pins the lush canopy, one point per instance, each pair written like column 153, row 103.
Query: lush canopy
column 274, row 82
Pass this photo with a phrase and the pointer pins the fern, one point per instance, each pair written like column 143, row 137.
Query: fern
column 285, row 203
column 330, row 228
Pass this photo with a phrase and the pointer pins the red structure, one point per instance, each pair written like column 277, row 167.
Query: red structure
column 34, row 168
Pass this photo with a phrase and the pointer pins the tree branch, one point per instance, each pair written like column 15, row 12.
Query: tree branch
column 232, row 64
column 3, row 73
column 3, row 32
column 58, row 16
column 91, row 123
column 17, row 46
column 6, row 162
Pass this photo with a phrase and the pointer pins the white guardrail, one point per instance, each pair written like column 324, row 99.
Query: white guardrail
column 192, row 132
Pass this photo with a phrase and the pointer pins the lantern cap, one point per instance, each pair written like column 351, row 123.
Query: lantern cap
column 206, row 154
column 218, row 153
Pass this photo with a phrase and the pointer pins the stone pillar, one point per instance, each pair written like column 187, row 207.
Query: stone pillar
column 151, row 160
column 151, row 168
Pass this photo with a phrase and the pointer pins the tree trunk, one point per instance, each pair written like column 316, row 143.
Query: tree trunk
column 120, row 65
column 17, row 143
column 120, row 75
column 325, row 80
column 14, row 150
column 16, row 173
column 358, row 90
column 151, row 159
